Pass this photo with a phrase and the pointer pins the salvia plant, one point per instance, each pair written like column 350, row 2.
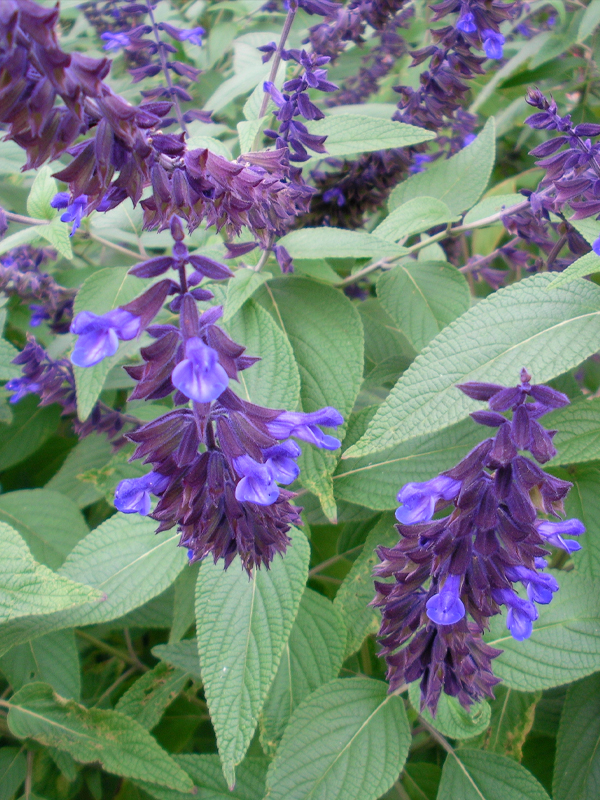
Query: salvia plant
column 300, row 404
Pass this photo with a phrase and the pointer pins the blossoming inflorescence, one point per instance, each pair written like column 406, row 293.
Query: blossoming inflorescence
column 452, row 574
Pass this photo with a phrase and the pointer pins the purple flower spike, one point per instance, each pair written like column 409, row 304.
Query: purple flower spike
column 99, row 335
column 304, row 426
column 466, row 23
column 257, row 484
column 553, row 533
column 446, row 608
column 200, row 376
column 281, row 463
column 493, row 43
column 132, row 496
column 419, row 499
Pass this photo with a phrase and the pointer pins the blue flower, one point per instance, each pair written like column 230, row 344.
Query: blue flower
column 493, row 43
column 99, row 335
column 38, row 315
column 114, row 41
column 446, row 608
column 521, row 613
column 596, row 246
column 257, row 484
column 200, row 376
column 21, row 387
column 466, row 23
column 419, row 499
column 132, row 496
column 74, row 211
column 553, row 533
column 281, row 463
column 304, row 426
column 540, row 587
column 419, row 162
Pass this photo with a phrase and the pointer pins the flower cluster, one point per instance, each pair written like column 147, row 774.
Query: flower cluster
column 20, row 275
column 454, row 573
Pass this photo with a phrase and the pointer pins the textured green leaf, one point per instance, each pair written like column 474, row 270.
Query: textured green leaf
column 183, row 654
column 492, row 205
column 29, row 588
column 274, row 381
column 578, row 437
column 205, row 771
column 57, row 233
column 53, row 659
column 241, row 288
column 513, row 714
column 349, row 133
column 124, row 560
column 451, row 718
column 589, row 21
column 7, row 369
column 348, row 740
column 338, row 243
column 357, row 589
column 50, row 523
column 30, row 427
column 90, row 453
column 326, row 335
column 184, row 612
column 587, row 264
column 423, row 297
column 583, row 502
column 312, row 656
column 243, row 625
column 13, row 768
column 248, row 130
column 120, row 744
column 421, row 780
column 29, row 234
column 106, row 478
column 477, row 775
column 564, row 645
column 577, row 769
column 42, row 191
column 516, row 326
column 147, row 699
column 418, row 214
column 458, row 181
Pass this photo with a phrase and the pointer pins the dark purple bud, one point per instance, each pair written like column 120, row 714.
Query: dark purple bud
column 587, row 129
column 152, row 267
column 490, row 418
column 212, row 269
column 479, row 391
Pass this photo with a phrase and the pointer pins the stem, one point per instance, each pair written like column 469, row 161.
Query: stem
column 123, row 677
column 117, row 247
column 183, row 278
column 25, row 220
column 277, row 57
column 113, row 651
column 165, row 69
column 333, row 560
column 29, row 775
column 131, row 651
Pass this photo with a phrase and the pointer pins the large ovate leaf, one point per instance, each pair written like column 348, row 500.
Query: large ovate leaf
column 52, row 659
column 42, row 191
column 13, row 768
column 183, row 654
column 550, row 338
column 350, row 133
column 30, row 427
column 89, row 735
column 458, row 181
column 147, row 699
column 422, row 298
column 578, row 437
column 92, row 452
column 241, row 288
column 8, row 370
column 564, row 645
column 28, row 588
column 577, row 770
column 478, row 775
column 347, row 741
column 513, row 714
column 243, row 625
column 418, row 214
column 312, row 656
column 451, row 718
column 338, row 243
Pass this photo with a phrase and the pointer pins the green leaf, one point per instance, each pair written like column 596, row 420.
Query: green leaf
column 101, row 292
column 148, row 698
column 564, row 645
column 554, row 333
column 577, row 769
column 243, row 625
column 183, row 655
column 585, row 265
column 583, row 502
column 30, row 427
column 29, row 588
column 205, row 771
column 248, row 130
column 106, row 478
column 477, row 775
column 50, row 523
column 241, row 288
column 123, row 559
column 120, row 744
column 326, row 335
column 53, row 659
column 451, row 718
column 349, row 740
column 274, row 381
column 338, row 243
column 7, row 369
column 42, row 191
column 90, row 453
column 513, row 714
column 421, row 780
column 589, row 228
column 578, row 437
column 492, row 205
column 13, row 768
column 418, row 214
column 357, row 589
column 184, row 612
column 458, row 181
column 24, row 236
column 312, row 656
column 349, row 133
column 57, row 233
column 423, row 297
column 589, row 21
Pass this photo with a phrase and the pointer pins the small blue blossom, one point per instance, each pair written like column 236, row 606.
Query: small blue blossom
column 114, row 41
column 521, row 613
column 419, row 162
column 280, row 461
column 200, row 376
column 419, row 499
column 596, row 246
column 39, row 314
column 335, row 194
column 257, row 484
column 99, row 335
column 21, row 387
column 304, row 426
column 446, row 607
column 553, row 533
column 74, row 211
column 540, row 587
column 194, row 36
column 493, row 43
column 466, row 23
column 132, row 496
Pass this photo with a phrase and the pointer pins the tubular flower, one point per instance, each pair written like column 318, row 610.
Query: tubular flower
column 450, row 575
